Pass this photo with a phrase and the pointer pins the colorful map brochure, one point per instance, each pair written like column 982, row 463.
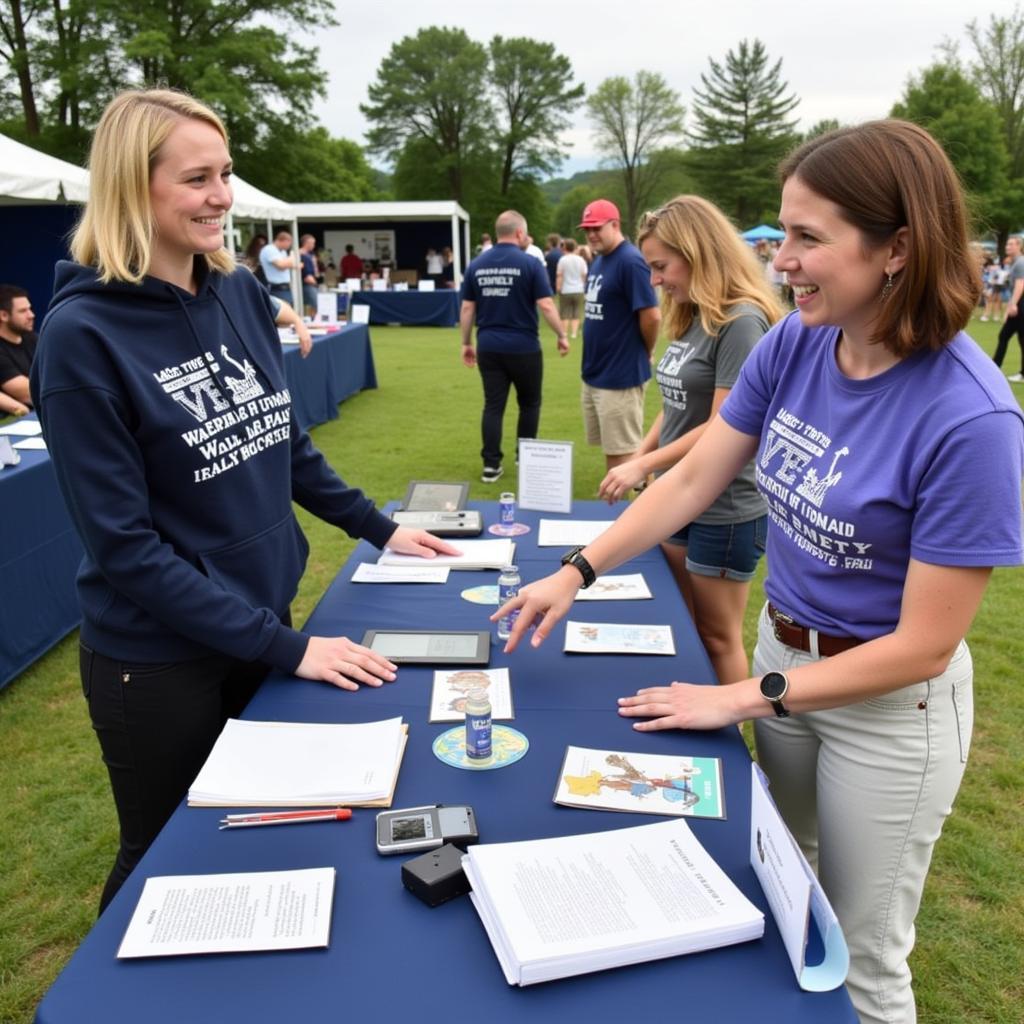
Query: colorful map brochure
column 451, row 688
column 607, row 780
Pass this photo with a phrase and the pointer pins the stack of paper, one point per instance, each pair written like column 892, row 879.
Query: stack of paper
column 293, row 764
column 554, row 908
column 474, row 554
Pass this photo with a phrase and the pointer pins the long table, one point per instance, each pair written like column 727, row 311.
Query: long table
column 439, row 308
column 389, row 954
column 38, row 560
column 340, row 364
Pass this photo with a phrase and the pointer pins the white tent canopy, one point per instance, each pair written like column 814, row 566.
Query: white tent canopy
column 397, row 211
column 29, row 175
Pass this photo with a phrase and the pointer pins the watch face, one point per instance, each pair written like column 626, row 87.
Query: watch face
column 774, row 685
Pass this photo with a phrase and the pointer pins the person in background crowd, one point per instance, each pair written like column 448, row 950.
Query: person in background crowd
column 570, row 282
column 502, row 292
column 996, row 276
column 277, row 265
column 532, row 249
column 620, row 330
column 331, row 276
column 307, row 247
column 435, row 267
column 351, row 264
column 1014, row 322
column 485, row 244
column 551, row 257
column 586, row 254
column 448, row 268
column 251, row 258
column 716, row 304
column 17, row 349
column 193, row 553
column 878, row 557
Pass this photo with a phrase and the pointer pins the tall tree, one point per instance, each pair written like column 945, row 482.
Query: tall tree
column 15, row 18
column 431, row 89
column 945, row 102
column 742, row 129
column 535, row 98
column 631, row 121
column 998, row 70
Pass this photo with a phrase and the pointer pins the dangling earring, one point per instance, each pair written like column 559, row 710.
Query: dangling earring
column 886, row 288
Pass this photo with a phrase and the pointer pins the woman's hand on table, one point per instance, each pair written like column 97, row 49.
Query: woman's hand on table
column 544, row 602
column 620, row 479
column 406, row 541
column 682, row 706
column 343, row 663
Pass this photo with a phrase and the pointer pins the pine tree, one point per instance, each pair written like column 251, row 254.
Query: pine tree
column 742, row 131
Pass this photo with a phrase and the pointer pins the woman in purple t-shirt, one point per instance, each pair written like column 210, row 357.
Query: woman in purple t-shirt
column 879, row 429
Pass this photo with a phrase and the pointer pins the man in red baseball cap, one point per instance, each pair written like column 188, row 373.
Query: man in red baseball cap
column 620, row 329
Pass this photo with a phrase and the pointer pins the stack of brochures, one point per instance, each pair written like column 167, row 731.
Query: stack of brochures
column 293, row 764
column 473, row 554
column 554, row 908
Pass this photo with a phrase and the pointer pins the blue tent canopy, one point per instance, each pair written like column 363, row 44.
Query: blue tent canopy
column 763, row 231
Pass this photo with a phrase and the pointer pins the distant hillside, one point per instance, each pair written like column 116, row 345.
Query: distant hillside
column 555, row 189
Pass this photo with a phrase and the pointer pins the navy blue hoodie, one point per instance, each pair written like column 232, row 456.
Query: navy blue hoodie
column 169, row 423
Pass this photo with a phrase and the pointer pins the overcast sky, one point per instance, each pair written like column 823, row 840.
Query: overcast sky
column 847, row 59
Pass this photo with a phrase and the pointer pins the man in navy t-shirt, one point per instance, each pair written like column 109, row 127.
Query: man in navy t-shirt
column 620, row 329
column 502, row 291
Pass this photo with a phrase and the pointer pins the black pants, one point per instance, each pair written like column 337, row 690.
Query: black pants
column 156, row 725
column 499, row 371
column 1011, row 326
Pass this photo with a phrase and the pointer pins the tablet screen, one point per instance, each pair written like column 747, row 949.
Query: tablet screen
column 426, row 645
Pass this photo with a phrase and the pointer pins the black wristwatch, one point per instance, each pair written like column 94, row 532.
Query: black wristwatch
column 775, row 686
column 583, row 567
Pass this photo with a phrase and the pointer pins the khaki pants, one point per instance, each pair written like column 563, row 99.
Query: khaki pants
column 865, row 790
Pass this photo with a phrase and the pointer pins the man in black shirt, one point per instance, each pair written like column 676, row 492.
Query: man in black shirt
column 17, row 347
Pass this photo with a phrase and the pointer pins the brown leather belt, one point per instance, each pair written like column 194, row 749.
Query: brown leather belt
column 792, row 634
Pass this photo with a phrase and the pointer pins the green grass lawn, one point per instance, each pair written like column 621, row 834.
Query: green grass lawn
column 59, row 830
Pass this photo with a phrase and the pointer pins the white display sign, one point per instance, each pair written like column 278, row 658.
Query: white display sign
column 545, row 475
column 327, row 307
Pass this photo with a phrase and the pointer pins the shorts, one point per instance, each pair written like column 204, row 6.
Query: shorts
column 570, row 305
column 614, row 418
column 727, row 551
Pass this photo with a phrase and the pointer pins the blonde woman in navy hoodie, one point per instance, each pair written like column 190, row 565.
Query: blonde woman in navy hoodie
column 160, row 386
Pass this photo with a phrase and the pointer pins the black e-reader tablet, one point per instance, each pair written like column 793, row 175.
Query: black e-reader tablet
column 435, row 496
column 431, row 646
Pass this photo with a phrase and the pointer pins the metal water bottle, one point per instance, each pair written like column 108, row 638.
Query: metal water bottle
column 508, row 586
column 478, row 725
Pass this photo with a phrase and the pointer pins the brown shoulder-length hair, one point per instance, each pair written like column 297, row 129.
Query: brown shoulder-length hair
column 883, row 176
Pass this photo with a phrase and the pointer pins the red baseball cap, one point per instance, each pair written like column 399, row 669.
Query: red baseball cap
column 599, row 212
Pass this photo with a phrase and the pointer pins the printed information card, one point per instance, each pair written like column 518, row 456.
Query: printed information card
column 545, row 475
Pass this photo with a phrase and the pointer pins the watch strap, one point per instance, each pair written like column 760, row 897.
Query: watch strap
column 581, row 565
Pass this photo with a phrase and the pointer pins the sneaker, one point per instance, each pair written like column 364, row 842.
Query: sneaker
column 984, row 318
column 1016, row 378
column 491, row 474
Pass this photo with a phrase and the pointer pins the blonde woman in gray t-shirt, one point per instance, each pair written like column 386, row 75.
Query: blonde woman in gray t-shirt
column 716, row 305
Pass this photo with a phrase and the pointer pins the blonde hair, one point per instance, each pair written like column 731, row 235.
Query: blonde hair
column 115, row 234
column 724, row 271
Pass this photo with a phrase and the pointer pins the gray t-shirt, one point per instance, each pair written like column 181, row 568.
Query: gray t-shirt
column 688, row 374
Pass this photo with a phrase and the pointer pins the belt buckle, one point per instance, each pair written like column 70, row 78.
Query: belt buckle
column 780, row 619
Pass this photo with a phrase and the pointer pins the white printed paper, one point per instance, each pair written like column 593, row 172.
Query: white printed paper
column 563, row 533
column 545, row 475
column 451, row 688
column 632, row 587
column 473, row 554
column 31, row 444
column 23, row 428
column 612, row 638
column 327, row 306
column 231, row 913
column 369, row 572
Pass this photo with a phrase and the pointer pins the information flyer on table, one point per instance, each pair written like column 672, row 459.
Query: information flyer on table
column 231, row 913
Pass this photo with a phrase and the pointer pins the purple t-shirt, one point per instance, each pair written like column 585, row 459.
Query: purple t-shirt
column 922, row 461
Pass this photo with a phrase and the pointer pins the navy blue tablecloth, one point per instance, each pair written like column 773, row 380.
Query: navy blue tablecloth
column 340, row 364
column 39, row 556
column 439, row 308
column 388, row 952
